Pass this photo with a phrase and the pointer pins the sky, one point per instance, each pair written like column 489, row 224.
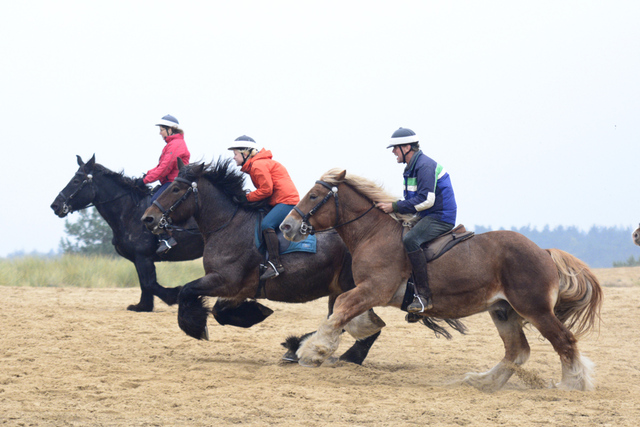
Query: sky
column 532, row 107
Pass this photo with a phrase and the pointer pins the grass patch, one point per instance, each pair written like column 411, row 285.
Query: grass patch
column 91, row 272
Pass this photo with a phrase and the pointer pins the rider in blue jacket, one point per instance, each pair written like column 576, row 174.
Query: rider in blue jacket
column 427, row 193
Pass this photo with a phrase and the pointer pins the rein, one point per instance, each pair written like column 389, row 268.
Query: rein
column 89, row 180
column 165, row 220
column 305, row 227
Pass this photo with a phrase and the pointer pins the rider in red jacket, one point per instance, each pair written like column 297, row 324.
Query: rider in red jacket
column 175, row 147
column 167, row 169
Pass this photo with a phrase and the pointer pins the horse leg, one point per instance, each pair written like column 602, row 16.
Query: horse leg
column 576, row 369
column 192, row 313
column 349, row 305
column 516, row 348
column 360, row 349
column 149, row 287
column 365, row 328
column 146, row 275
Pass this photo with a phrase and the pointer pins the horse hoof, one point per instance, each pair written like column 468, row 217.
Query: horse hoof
column 139, row 309
column 307, row 363
column 205, row 333
column 290, row 357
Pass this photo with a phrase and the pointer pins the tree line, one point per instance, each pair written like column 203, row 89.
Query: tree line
column 600, row 247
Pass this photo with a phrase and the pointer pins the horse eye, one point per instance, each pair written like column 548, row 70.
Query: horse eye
column 176, row 189
column 313, row 196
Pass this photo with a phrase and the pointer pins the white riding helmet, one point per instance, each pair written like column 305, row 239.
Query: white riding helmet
column 169, row 121
column 403, row 136
column 243, row 142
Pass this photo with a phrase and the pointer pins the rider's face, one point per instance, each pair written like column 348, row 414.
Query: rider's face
column 237, row 156
column 397, row 151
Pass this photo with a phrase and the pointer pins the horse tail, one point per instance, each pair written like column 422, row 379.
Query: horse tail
column 580, row 295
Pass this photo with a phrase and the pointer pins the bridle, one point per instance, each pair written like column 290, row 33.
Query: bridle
column 305, row 227
column 66, row 208
column 165, row 220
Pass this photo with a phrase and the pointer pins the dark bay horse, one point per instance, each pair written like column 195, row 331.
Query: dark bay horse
column 211, row 194
column 501, row 272
column 121, row 204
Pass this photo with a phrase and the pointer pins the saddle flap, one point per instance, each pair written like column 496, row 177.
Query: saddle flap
column 308, row 245
column 441, row 244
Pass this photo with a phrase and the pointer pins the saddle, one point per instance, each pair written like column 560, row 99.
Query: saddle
column 308, row 245
column 441, row 244
column 433, row 250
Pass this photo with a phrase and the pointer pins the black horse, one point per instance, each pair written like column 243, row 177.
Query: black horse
column 121, row 203
column 211, row 194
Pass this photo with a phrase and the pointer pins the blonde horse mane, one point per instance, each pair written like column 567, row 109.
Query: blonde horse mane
column 366, row 188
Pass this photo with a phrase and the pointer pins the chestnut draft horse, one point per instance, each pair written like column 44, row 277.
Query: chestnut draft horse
column 502, row 272
column 211, row 194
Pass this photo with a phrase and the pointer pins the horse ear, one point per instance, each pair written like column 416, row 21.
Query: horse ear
column 91, row 162
column 180, row 164
column 199, row 168
column 80, row 162
column 341, row 175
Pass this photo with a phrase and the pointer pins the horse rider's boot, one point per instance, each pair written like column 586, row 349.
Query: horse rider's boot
column 166, row 243
column 422, row 297
column 274, row 267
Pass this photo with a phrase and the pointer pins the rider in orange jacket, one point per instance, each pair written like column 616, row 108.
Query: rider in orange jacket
column 273, row 183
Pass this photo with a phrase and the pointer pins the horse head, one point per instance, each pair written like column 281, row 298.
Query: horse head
column 178, row 202
column 636, row 236
column 313, row 212
column 79, row 192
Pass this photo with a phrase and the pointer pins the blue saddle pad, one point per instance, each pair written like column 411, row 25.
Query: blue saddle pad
column 286, row 246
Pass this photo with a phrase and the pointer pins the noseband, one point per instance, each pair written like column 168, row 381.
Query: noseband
column 305, row 227
column 165, row 220
column 66, row 208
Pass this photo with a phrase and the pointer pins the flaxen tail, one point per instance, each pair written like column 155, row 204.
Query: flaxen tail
column 580, row 296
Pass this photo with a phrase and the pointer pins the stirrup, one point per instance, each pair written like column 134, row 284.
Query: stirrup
column 165, row 245
column 272, row 271
column 420, row 304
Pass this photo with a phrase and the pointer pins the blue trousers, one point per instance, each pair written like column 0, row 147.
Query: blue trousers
column 159, row 192
column 424, row 231
column 275, row 217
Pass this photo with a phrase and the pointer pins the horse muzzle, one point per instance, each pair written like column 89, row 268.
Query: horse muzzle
column 152, row 223
column 60, row 208
column 292, row 229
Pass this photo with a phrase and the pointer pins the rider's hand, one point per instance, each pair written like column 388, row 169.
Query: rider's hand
column 140, row 182
column 385, row 207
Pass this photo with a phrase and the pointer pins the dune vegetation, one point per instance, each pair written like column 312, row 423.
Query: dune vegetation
column 90, row 272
